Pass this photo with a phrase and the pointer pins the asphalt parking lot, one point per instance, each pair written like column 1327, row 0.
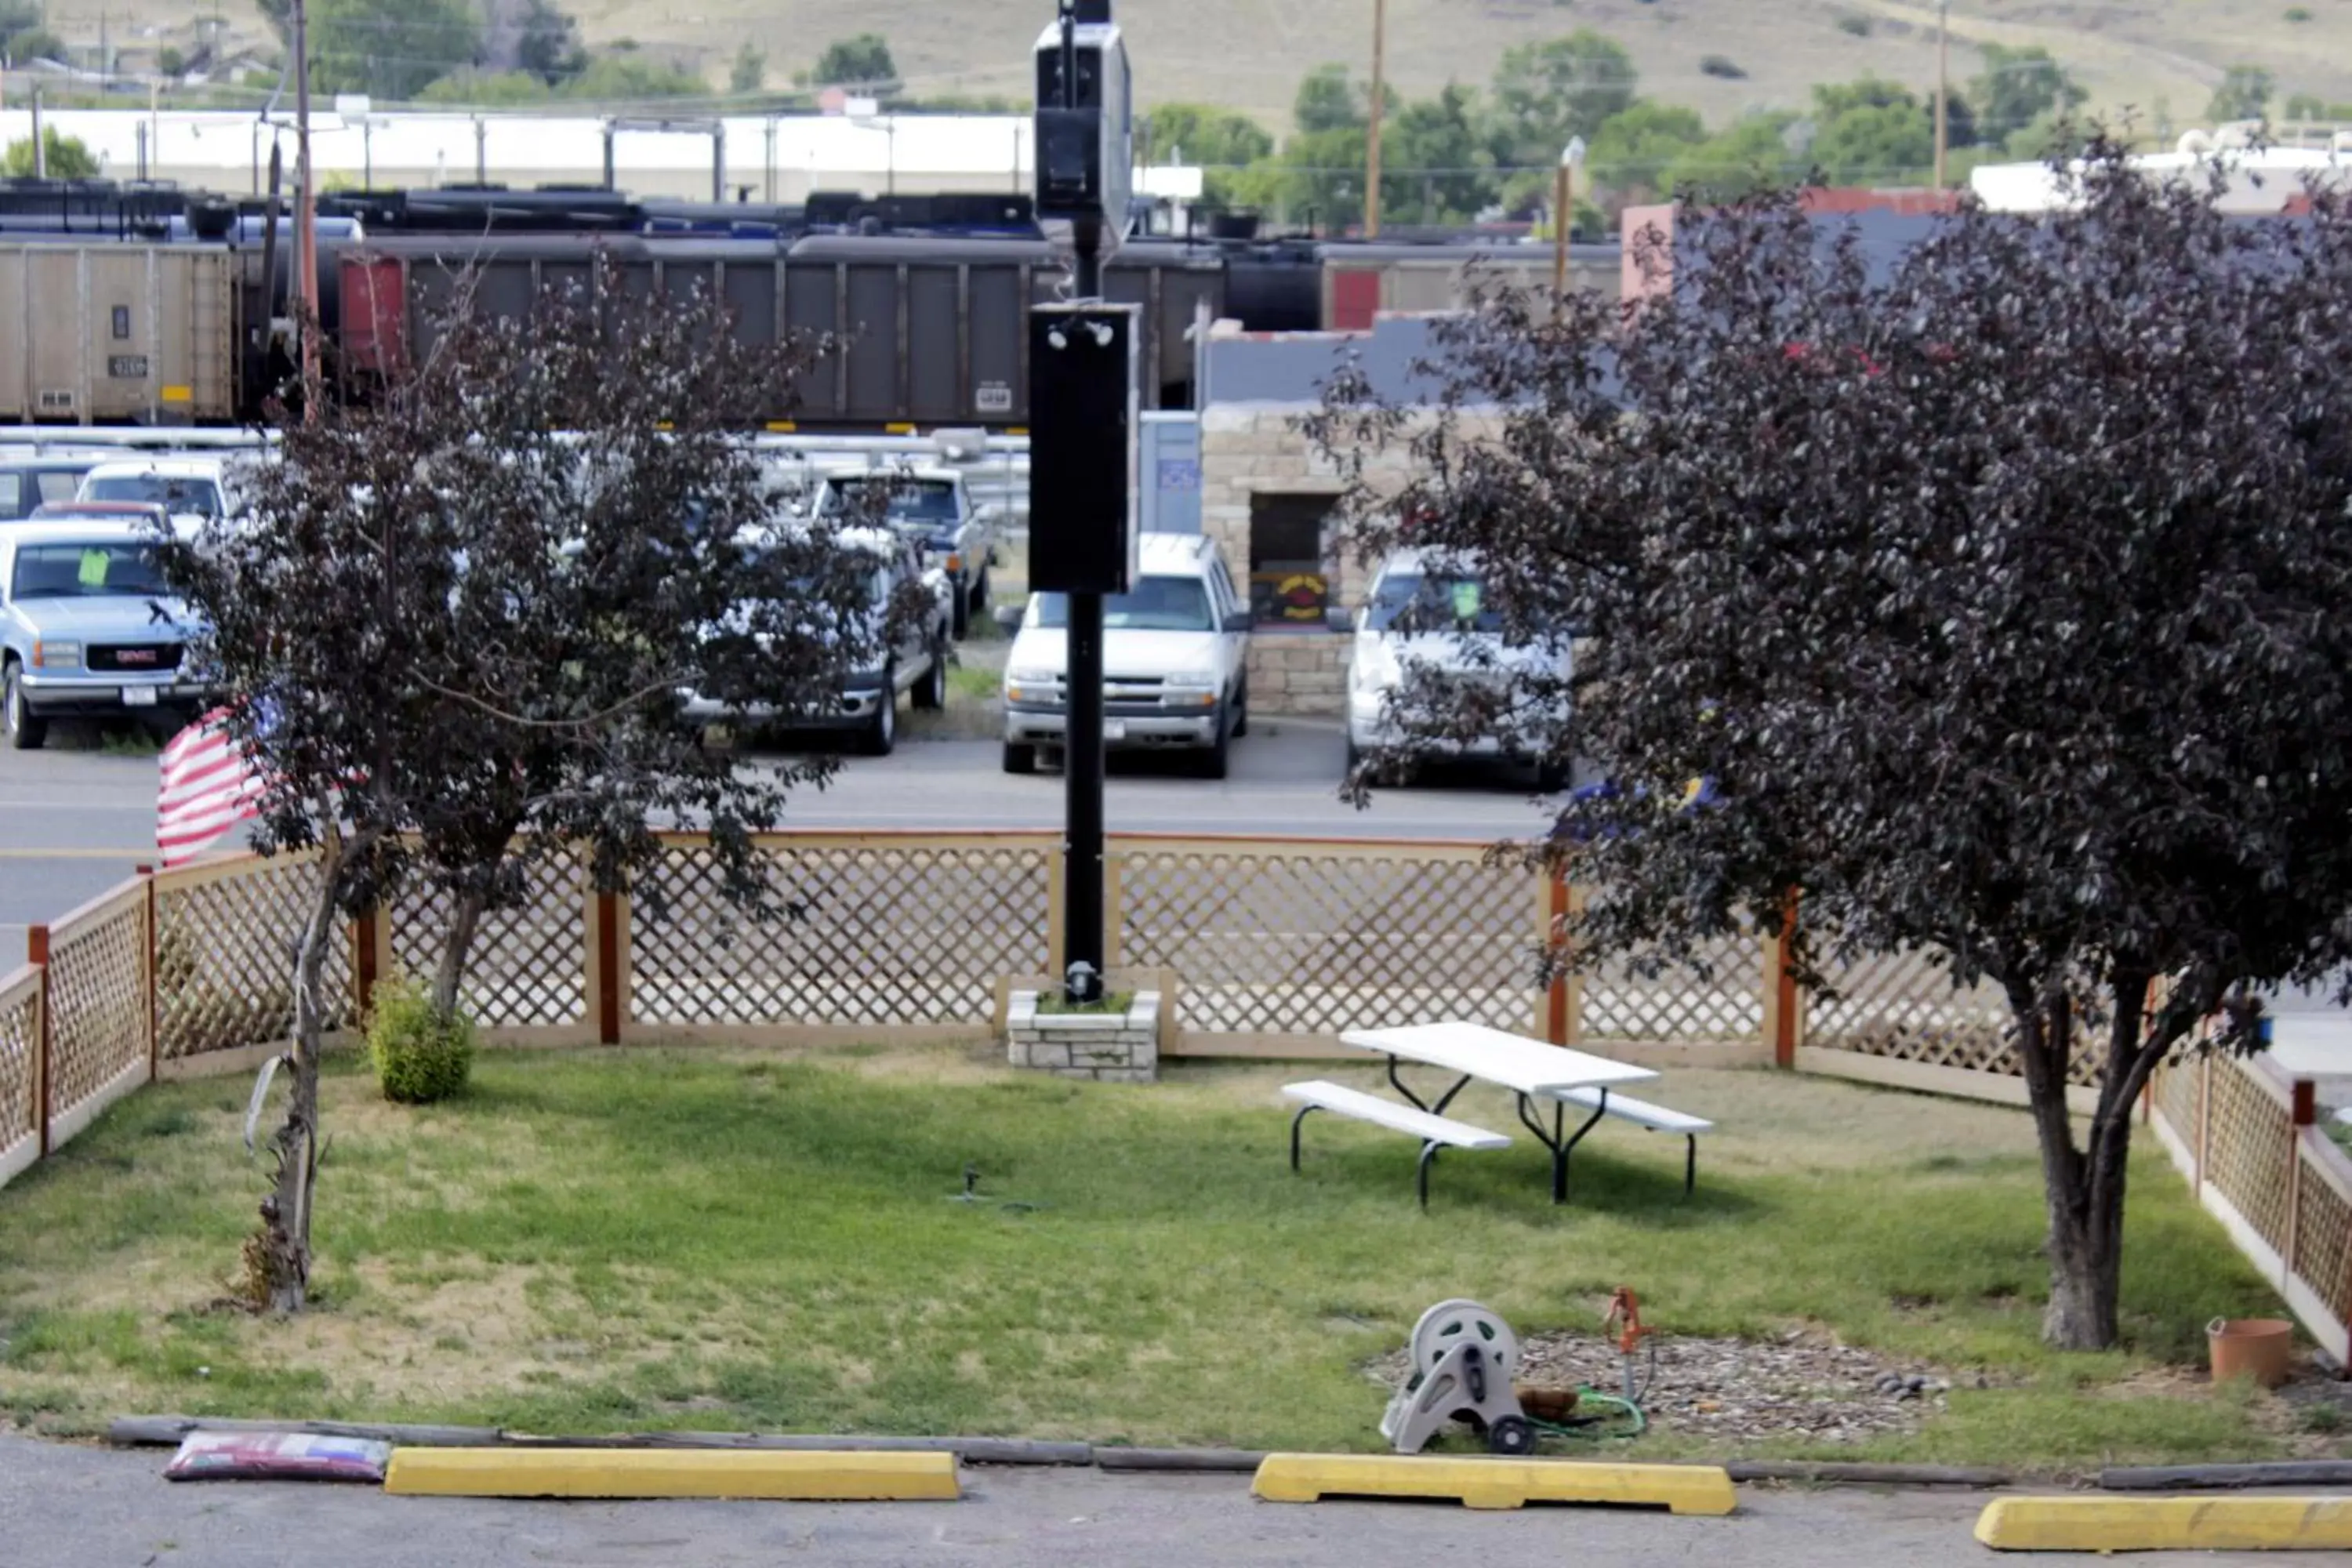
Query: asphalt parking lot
column 75, row 819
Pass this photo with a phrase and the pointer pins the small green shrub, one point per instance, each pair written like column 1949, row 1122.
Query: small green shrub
column 1723, row 66
column 419, row 1057
column 2298, row 13
column 1859, row 26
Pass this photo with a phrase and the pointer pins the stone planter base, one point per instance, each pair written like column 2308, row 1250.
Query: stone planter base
column 1110, row 1048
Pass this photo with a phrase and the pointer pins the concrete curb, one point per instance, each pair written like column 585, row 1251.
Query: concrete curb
column 1486, row 1483
column 2106, row 1525
column 799, row 1475
column 2181, row 1477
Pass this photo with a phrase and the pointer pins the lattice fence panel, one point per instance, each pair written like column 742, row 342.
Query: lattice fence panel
column 879, row 935
column 1302, row 943
column 1724, row 1003
column 2176, row 1097
column 1904, row 1006
column 98, row 1000
column 2246, row 1159
column 2324, row 1235
column 224, row 958
column 527, row 968
column 20, row 1045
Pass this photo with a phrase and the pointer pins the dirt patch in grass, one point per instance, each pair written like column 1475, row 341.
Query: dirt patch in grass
column 1737, row 1395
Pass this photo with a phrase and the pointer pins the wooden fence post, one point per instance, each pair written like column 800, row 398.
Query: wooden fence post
column 36, row 952
column 1559, row 1019
column 1782, row 1022
column 2303, row 1111
column 366, row 950
column 150, row 982
column 607, row 919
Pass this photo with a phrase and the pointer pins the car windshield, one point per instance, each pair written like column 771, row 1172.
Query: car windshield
column 172, row 492
column 1421, row 604
column 911, row 501
column 1153, row 604
column 77, row 571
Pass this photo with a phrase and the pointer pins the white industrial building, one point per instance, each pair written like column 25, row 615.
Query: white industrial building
column 2258, row 179
column 771, row 158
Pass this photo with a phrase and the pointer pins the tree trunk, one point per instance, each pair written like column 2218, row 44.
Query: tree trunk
column 278, row 1259
column 465, row 923
column 2084, row 1189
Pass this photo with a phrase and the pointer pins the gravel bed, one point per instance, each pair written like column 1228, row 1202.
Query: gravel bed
column 1738, row 1392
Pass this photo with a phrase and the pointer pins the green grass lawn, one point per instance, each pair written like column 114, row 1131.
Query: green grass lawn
column 597, row 1241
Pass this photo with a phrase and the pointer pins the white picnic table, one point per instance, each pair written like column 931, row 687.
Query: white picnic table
column 1535, row 1072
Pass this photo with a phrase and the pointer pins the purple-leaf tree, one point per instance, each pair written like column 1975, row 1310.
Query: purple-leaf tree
column 2000, row 592
column 459, row 621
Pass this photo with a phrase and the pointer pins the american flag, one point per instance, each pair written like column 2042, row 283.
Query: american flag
column 208, row 787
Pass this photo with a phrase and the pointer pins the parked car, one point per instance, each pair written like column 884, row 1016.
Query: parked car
column 88, row 627
column 933, row 507
column 1175, row 661
column 914, row 666
column 183, row 486
column 32, row 480
column 1431, row 612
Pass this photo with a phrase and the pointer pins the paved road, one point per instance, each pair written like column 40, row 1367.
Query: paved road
column 72, row 1508
column 74, row 822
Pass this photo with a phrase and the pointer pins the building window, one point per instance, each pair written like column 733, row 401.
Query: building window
column 1291, row 573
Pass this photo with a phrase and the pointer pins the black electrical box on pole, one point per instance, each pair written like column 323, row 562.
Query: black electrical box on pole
column 1082, row 425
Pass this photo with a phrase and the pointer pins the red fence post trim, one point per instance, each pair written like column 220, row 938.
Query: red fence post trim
column 36, row 952
column 608, row 969
column 1784, row 1012
column 153, row 980
column 1556, row 1010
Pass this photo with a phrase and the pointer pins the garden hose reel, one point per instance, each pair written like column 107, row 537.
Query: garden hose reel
column 1459, row 1367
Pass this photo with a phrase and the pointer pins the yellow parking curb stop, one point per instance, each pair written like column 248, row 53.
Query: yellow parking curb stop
column 798, row 1474
column 2168, row 1524
column 1494, row 1483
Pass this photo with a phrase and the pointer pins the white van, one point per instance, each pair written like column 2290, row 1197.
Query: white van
column 1429, row 611
column 1175, row 661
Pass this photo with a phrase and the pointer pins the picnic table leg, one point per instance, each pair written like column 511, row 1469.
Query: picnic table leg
column 1428, row 1155
column 1690, row 1164
column 1420, row 1104
column 1293, row 1133
column 1563, row 1151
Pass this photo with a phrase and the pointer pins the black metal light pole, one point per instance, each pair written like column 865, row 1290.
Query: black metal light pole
column 1082, row 757
column 1082, row 436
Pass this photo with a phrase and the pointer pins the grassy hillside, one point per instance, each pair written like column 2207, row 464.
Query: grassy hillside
column 2162, row 57
column 1250, row 53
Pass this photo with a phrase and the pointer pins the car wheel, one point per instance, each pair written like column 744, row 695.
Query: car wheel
column 1241, row 710
column 980, row 596
column 25, row 733
column 1020, row 759
column 1550, row 778
column 1218, row 759
column 882, row 735
column 959, row 615
column 931, row 691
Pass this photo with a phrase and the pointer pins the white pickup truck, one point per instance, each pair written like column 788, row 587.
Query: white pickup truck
column 932, row 507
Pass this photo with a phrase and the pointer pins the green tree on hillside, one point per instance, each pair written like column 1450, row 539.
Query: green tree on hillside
column 620, row 79
column 853, row 62
column 1221, row 143
column 1753, row 153
column 1433, row 168
column 2018, row 87
column 2244, row 94
column 749, row 73
column 548, row 48
column 1546, row 93
column 1631, row 150
column 69, row 158
column 1327, row 101
column 389, row 49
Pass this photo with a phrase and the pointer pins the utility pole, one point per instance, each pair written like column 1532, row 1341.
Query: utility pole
column 1563, row 218
column 1372, row 134
column 306, row 252
column 1943, row 82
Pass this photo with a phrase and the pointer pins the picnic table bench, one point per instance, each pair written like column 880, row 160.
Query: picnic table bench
column 1537, row 1074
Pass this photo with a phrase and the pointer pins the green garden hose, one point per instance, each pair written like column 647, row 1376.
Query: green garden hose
column 1585, row 1399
